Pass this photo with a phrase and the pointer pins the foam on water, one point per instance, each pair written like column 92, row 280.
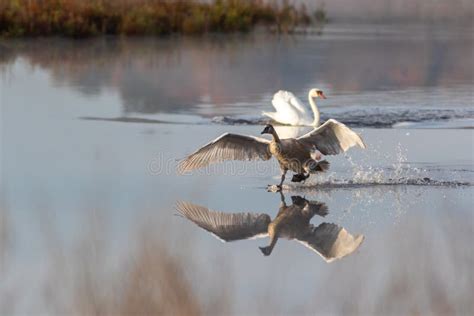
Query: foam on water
column 364, row 175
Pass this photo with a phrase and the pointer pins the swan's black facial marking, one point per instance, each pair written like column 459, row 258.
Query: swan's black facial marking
column 321, row 94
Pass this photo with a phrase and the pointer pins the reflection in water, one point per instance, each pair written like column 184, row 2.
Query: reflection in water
column 292, row 222
column 233, row 75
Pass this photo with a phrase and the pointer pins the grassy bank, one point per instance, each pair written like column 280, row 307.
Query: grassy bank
column 82, row 18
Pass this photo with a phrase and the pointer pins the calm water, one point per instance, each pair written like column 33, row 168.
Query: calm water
column 91, row 132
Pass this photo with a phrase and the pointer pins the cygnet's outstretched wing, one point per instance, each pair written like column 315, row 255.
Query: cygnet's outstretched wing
column 285, row 100
column 227, row 147
column 332, row 138
column 226, row 226
column 330, row 241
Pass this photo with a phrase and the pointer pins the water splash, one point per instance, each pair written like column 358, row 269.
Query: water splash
column 400, row 172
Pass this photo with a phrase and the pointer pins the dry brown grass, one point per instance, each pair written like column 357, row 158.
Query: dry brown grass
column 80, row 18
column 147, row 280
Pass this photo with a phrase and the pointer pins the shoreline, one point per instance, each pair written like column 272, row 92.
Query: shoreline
column 82, row 19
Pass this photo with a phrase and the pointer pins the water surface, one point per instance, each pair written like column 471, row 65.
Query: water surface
column 91, row 132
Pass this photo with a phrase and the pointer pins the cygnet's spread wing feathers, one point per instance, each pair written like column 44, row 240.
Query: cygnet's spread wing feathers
column 226, row 226
column 332, row 138
column 331, row 241
column 287, row 99
column 227, row 147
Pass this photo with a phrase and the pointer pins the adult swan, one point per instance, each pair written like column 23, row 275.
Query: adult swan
column 290, row 110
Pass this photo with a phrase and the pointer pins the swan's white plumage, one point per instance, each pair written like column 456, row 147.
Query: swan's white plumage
column 286, row 97
column 289, row 110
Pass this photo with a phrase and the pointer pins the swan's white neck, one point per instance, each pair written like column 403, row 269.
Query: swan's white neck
column 312, row 103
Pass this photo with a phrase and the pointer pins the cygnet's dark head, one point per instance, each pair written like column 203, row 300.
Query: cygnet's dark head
column 268, row 129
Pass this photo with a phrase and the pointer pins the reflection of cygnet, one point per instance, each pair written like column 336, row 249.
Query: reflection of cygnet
column 292, row 222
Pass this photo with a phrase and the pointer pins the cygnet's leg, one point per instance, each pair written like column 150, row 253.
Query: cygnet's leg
column 282, row 200
column 278, row 186
column 283, row 174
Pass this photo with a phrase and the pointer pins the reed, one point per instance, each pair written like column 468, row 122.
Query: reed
column 147, row 276
column 156, row 270
column 83, row 18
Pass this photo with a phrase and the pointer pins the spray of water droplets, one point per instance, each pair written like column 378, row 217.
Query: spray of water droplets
column 393, row 172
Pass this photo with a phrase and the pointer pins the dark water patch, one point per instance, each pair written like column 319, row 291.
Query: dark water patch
column 383, row 118
column 375, row 118
column 131, row 120
column 351, row 184
column 229, row 120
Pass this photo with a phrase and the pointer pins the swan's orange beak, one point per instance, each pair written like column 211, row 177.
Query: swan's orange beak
column 321, row 94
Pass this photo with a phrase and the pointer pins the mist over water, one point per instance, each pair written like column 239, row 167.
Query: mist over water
column 374, row 76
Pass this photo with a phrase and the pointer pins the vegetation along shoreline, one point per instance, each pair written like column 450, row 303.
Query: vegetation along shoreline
column 86, row 18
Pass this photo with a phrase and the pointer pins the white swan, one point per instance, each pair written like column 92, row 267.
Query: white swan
column 290, row 110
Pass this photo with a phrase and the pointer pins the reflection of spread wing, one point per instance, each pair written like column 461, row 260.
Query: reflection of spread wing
column 332, row 138
column 331, row 241
column 226, row 226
